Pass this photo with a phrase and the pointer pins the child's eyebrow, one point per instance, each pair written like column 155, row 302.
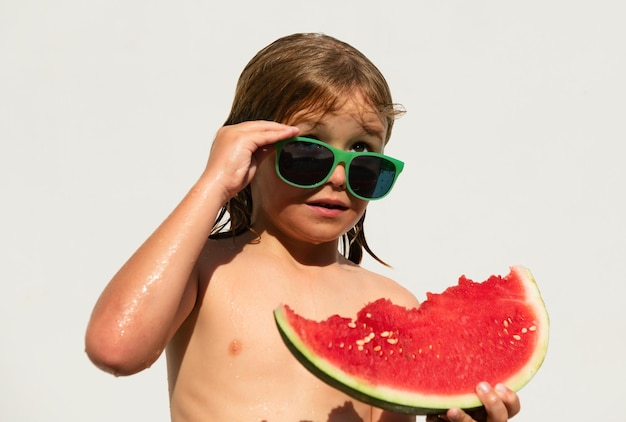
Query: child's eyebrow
column 309, row 124
column 373, row 130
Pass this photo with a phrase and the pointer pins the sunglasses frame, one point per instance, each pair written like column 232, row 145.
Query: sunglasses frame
column 339, row 156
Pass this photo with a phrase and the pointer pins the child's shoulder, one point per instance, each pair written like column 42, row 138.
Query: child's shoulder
column 380, row 286
column 224, row 248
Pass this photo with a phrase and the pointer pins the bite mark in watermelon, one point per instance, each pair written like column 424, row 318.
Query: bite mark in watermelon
column 430, row 358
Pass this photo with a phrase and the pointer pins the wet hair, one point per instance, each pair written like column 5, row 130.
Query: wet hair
column 304, row 73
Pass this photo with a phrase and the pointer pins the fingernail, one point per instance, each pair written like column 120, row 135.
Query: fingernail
column 484, row 387
column 453, row 414
column 501, row 388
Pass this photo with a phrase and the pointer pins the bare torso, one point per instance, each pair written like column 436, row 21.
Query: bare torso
column 228, row 363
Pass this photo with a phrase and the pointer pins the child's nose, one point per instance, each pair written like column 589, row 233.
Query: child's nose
column 338, row 176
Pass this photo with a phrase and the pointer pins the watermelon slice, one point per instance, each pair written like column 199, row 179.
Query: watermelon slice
column 428, row 359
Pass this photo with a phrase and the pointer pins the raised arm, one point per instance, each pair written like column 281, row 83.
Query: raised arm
column 155, row 290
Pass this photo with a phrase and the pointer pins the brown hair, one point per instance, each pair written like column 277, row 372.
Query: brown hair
column 296, row 73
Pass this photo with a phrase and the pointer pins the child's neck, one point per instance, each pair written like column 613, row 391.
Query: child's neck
column 301, row 252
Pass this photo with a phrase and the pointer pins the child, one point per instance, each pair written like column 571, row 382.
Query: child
column 257, row 230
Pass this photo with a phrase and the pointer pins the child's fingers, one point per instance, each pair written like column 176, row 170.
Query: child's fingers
column 509, row 398
column 458, row 415
column 494, row 406
column 495, row 409
column 237, row 150
column 500, row 404
column 265, row 132
column 238, row 142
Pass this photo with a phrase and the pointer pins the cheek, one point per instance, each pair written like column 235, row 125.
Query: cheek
column 265, row 173
column 360, row 208
column 268, row 190
column 262, row 179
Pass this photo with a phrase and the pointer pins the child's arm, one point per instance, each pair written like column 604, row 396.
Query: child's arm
column 155, row 290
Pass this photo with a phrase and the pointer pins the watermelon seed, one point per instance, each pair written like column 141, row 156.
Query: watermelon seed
column 506, row 323
column 360, row 342
column 385, row 334
column 392, row 340
column 351, row 324
column 516, row 337
column 377, row 349
column 532, row 328
column 524, row 330
column 368, row 315
column 341, row 345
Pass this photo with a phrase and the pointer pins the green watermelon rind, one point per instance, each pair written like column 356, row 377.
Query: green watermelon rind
column 409, row 402
column 378, row 396
column 534, row 299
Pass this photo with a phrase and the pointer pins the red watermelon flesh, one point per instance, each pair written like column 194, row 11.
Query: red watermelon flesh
column 429, row 358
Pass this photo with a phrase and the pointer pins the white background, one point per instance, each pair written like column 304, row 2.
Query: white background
column 513, row 143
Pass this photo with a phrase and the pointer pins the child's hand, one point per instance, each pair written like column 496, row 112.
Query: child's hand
column 238, row 148
column 500, row 405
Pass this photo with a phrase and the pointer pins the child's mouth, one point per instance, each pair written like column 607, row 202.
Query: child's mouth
column 329, row 206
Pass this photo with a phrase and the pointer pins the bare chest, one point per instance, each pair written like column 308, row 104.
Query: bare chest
column 235, row 349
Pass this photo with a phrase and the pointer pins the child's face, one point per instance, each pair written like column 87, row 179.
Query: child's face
column 321, row 214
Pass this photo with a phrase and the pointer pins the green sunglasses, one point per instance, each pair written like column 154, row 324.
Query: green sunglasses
column 308, row 163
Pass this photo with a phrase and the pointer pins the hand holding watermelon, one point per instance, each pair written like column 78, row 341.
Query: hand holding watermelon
column 500, row 404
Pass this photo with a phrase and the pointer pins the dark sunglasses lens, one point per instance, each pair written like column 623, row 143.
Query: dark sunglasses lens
column 371, row 177
column 305, row 163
